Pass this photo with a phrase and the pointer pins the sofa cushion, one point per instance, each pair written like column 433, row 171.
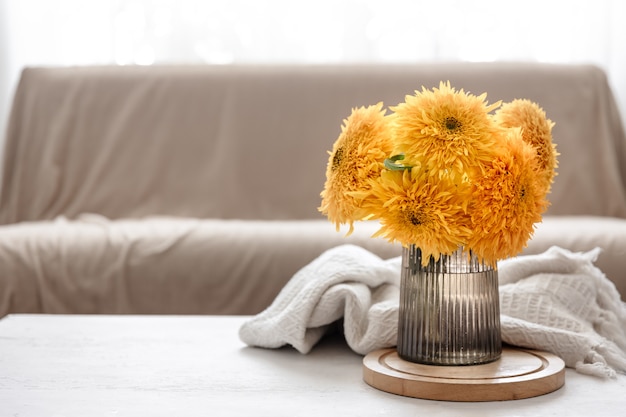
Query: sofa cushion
column 583, row 233
column 159, row 265
column 250, row 142
column 171, row 265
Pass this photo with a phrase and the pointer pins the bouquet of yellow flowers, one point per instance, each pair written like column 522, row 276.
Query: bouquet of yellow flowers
column 444, row 170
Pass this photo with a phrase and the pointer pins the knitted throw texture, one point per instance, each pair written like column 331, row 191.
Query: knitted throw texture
column 557, row 301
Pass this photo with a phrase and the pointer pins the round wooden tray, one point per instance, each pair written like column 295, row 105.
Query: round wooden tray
column 519, row 373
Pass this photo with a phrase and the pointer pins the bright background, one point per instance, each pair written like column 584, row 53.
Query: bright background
column 144, row 32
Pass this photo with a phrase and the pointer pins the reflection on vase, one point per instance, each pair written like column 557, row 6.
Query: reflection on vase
column 449, row 310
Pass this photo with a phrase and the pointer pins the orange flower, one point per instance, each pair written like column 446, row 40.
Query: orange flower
column 358, row 155
column 442, row 172
column 418, row 210
column 536, row 130
column 507, row 201
column 445, row 130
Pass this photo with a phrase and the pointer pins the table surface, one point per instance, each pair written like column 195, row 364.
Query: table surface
column 57, row 365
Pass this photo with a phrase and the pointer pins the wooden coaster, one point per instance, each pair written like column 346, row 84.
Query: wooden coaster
column 519, row 373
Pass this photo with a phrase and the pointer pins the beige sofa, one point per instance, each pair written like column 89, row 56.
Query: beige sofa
column 194, row 189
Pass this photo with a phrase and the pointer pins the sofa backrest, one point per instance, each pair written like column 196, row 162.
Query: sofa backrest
column 251, row 142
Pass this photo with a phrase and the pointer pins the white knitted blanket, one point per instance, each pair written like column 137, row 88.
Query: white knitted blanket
column 557, row 301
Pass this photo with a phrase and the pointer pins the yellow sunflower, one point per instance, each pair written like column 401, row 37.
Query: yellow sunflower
column 445, row 129
column 358, row 155
column 536, row 130
column 417, row 210
column 507, row 201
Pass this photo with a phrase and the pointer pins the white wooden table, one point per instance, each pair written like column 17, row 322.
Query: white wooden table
column 197, row 366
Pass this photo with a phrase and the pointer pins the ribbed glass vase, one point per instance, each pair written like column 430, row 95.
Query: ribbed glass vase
column 449, row 310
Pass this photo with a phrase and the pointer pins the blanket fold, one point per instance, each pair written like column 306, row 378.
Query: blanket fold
column 557, row 301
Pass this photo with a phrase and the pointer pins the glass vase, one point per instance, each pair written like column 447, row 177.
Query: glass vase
column 449, row 310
